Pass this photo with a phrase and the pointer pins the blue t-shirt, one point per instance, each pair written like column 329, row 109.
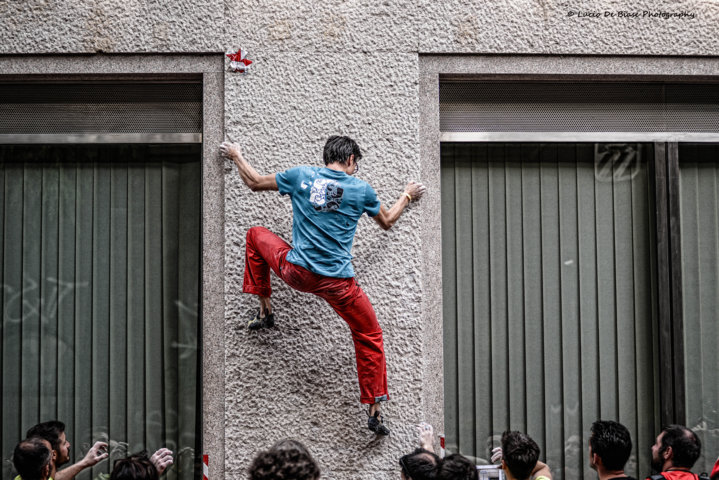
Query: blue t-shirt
column 326, row 206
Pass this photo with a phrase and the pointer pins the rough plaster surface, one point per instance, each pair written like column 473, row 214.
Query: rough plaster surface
column 452, row 26
column 299, row 379
column 348, row 67
column 213, row 218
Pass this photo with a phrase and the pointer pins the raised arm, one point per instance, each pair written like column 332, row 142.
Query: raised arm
column 426, row 436
column 96, row 454
column 249, row 175
column 387, row 217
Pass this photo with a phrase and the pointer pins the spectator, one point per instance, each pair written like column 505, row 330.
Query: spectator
column 715, row 471
column 32, row 459
column 421, row 464
column 610, row 446
column 675, row 452
column 54, row 432
column 135, row 467
column 285, row 460
column 457, row 467
column 139, row 467
column 520, row 458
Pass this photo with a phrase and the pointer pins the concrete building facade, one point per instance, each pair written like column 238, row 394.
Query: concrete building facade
column 370, row 70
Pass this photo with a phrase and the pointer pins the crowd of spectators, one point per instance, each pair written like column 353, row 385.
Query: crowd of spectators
column 46, row 448
column 676, row 450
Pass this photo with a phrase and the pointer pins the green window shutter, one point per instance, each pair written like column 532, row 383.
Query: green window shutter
column 100, row 251
column 547, row 293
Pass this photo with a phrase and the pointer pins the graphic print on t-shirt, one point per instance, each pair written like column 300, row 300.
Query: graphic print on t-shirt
column 326, row 195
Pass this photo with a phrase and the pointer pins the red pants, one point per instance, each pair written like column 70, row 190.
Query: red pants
column 265, row 250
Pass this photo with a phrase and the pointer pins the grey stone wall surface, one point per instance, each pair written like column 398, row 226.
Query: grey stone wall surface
column 300, row 379
column 339, row 67
column 427, row 26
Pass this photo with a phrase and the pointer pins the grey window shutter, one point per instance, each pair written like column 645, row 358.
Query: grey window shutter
column 100, row 112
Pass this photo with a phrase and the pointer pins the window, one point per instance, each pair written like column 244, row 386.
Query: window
column 542, row 238
column 100, row 247
column 580, row 283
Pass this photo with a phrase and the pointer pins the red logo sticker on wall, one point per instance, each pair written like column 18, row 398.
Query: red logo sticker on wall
column 238, row 62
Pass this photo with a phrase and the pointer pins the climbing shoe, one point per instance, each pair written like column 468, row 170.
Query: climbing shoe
column 257, row 322
column 376, row 424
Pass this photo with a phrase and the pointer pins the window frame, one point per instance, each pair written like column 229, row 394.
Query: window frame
column 435, row 69
column 209, row 68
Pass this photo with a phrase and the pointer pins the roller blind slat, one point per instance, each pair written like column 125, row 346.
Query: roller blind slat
column 84, row 366
column 118, row 318
column 551, row 311
column 480, row 261
column 515, row 305
column 569, row 325
column 67, row 288
column 48, row 290
column 624, row 274
column 30, row 293
column 170, row 221
column 532, row 289
column 188, row 308
column 136, row 304
column 12, row 302
column 465, row 289
column 497, row 240
column 588, row 312
column 154, row 402
column 606, row 294
column 449, row 309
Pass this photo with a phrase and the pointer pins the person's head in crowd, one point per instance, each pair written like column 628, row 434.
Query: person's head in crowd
column 519, row 455
column 676, row 447
column 457, row 467
column 715, row 471
column 610, row 446
column 135, row 467
column 54, row 432
column 32, row 459
column 419, row 465
column 285, row 460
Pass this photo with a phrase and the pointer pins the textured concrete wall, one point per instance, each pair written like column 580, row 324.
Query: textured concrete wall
column 350, row 68
column 309, row 27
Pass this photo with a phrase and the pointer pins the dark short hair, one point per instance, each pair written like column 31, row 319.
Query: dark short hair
column 686, row 447
column 50, row 431
column 457, row 467
column 135, row 467
column 520, row 454
column 30, row 457
column 420, row 465
column 290, row 444
column 284, row 461
column 338, row 150
column 612, row 442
